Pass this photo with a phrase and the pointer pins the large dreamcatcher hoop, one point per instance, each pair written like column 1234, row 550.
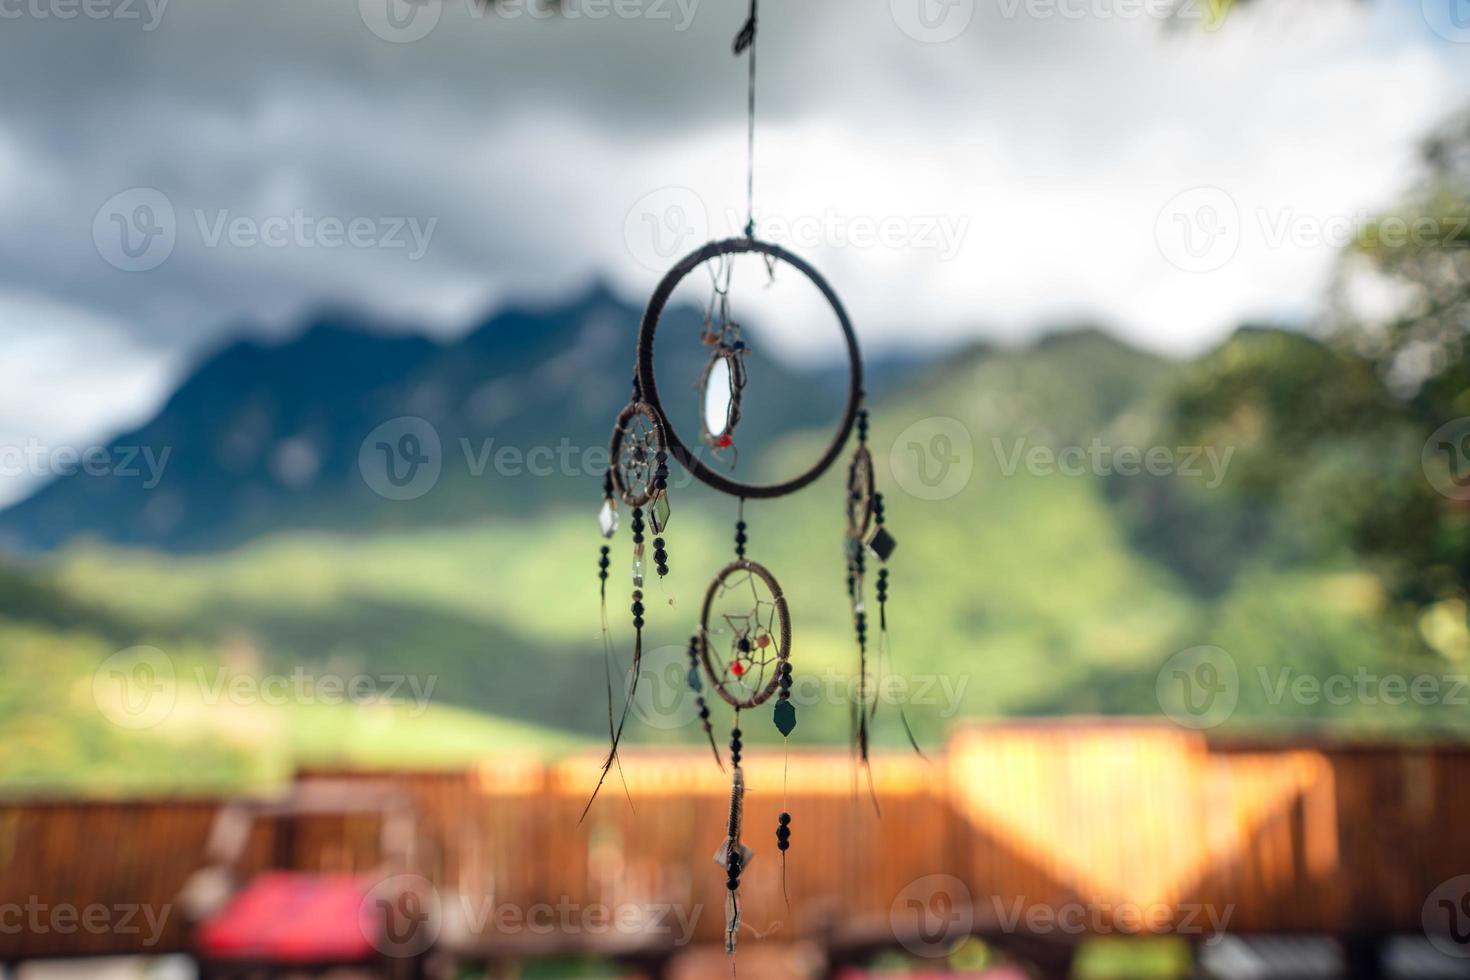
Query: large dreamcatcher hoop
column 648, row 382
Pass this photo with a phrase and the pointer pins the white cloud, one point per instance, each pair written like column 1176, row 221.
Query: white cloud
column 1052, row 143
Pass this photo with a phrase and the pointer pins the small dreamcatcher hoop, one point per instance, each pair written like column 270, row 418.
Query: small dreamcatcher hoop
column 759, row 641
column 634, row 453
column 648, row 384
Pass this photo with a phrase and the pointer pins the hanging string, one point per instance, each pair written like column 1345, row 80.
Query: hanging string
column 637, row 668
column 746, row 39
column 609, row 658
column 696, row 684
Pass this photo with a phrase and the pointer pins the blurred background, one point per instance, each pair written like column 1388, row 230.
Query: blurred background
column 316, row 318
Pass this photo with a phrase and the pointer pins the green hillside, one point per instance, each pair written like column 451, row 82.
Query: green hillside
column 1022, row 592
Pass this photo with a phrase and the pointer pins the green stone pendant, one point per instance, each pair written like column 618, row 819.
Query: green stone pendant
column 785, row 717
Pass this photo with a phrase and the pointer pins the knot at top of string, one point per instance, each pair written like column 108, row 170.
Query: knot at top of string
column 746, row 37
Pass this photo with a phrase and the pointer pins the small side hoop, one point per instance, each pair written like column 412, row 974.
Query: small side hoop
column 634, row 496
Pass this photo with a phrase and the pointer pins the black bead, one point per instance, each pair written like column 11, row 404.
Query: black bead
column 739, row 525
column 637, row 609
column 732, row 883
column 783, row 844
column 735, row 733
column 658, row 542
column 637, row 593
column 605, row 549
column 736, row 745
column 785, row 667
column 637, row 622
column 784, row 818
column 703, row 709
column 783, row 833
column 735, row 758
column 637, row 537
column 661, row 556
column 663, row 570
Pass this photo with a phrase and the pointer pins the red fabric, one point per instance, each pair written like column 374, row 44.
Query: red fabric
column 290, row 917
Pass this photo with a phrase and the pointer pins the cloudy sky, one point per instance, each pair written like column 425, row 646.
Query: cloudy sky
column 175, row 171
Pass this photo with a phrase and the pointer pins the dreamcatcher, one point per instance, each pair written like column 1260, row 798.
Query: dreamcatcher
column 741, row 647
